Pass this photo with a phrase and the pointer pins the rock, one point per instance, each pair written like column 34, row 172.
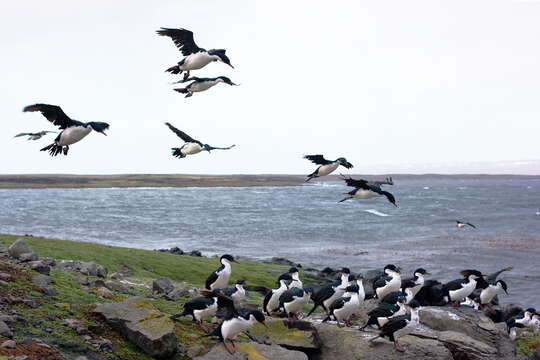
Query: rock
column 253, row 351
column 177, row 293
column 48, row 290
column 536, row 354
column 162, row 286
column 21, row 357
column 196, row 253
column 27, row 257
column 104, row 293
column 297, row 335
column 97, row 283
column 20, row 247
column 116, row 276
column 5, row 276
column 281, row 261
column 463, row 346
column 42, row 280
column 174, row 250
column 5, row 331
column 83, row 280
column 72, row 323
column 114, row 286
column 142, row 324
column 7, row 318
column 85, row 268
column 10, row 344
column 124, row 270
column 81, row 358
column 40, row 266
column 30, row 303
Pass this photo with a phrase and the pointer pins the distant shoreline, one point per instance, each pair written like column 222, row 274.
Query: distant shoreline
column 178, row 180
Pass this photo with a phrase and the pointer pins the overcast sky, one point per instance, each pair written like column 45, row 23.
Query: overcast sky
column 382, row 83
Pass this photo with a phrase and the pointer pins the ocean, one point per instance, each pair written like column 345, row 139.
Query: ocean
column 306, row 224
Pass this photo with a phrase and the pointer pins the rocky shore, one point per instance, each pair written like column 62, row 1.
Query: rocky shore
column 117, row 306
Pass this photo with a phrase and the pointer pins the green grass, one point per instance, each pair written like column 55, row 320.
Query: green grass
column 526, row 345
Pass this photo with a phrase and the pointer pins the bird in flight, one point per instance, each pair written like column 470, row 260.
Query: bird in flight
column 202, row 84
column 461, row 224
column 191, row 146
column 363, row 189
column 326, row 167
column 35, row 136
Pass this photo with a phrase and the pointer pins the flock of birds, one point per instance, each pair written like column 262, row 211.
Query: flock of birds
column 399, row 299
column 395, row 315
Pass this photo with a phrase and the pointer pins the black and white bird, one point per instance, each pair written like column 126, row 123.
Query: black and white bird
column 35, row 136
column 535, row 323
column 326, row 166
column 237, row 292
column 72, row 130
column 195, row 57
column 346, row 306
column 472, row 301
column 389, row 282
column 201, row 307
column 219, row 278
column 271, row 300
column 191, row 146
column 406, row 292
column 293, row 300
column 519, row 322
column 364, row 190
column 387, row 181
column 328, row 293
column 296, row 282
column 384, row 312
column 461, row 224
column 418, row 278
column 457, row 290
column 201, row 84
column 400, row 326
column 491, row 290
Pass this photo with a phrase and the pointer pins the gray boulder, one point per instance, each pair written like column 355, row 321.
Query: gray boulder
column 39, row 266
column 253, row 350
column 42, row 280
column 20, row 247
column 86, row 268
column 124, row 270
column 5, row 331
column 138, row 321
column 118, row 287
column 162, row 286
column 27, row 257
column 177, row 293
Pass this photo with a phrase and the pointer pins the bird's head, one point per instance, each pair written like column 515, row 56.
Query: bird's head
column 503, row 286
column 352, row 288
column 408, row 284
column 100, row 127
column 293, row 270
column 226, row 80
column 475, row 274
column 284, row 277
column 391, row 268
column 220, row 53
column 414, row 304
column 342, row 161
column 420, row 271
column 258, row 316
column 207, row 147
column 344, row 270
column 531, row 311
column 390, row 198
column 227, row 257
column 240, row 282
column 309, row 291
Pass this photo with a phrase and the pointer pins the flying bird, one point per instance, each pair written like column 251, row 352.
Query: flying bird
column 72, row 130
column 35, row 136
column 195, row 57
column 365, row 190
column 461, row 224
column 191, row 146
column 201, row 84
column 326, row 166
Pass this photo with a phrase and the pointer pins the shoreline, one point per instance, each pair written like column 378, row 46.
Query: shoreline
column 45, row 181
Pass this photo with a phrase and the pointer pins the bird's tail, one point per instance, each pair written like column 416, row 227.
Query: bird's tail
column 183, row 313
column 327, row 318
column 174, row 70
column 53, row 149
column 177, row 153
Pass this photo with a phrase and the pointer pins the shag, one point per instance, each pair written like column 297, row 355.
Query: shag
column 202, row 84
column 326, row 166
column 191, row 146
column 364, row 190
column 35, row 136
column 219, row 278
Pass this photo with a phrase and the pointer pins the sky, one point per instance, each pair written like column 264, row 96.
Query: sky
column 414, row 86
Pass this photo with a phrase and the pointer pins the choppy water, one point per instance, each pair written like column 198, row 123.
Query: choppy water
column 307, row 225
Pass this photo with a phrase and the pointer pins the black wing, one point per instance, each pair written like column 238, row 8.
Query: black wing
column 54, row 114
column 226, row 309
column 383, row 310
column 220, row 148
column 183, row 39
column 199, row 303
column 455, row 284
column 317, row 159
column 339, row 303
column 392, row 298
column 381, row 282
column 359, row 184
column 471, row 225
column 290, row 294
column 24, row 134
column 266, row 301
column 324, row 293
column 211, row 279
column 399, row 322
column 182, row 135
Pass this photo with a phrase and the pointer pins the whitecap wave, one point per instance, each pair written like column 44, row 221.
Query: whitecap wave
column 375, row 212
column 426, row 187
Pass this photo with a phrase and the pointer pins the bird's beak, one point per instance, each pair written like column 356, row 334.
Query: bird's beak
column 427, row 273
column 233, row 84
column 103, row 132
column 230, row 65
column 395, row 204
column 236, row 261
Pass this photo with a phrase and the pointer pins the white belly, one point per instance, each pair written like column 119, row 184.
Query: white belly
column 201, row 86
column 391, row 286
column 365, row 194
column 337, row 294
column 72, row 135
column 327, row 169
column 487, row 295
column 222, row 280
column 191, row 149
column 350, row 307
column 196, row 61
column 273, row 303
column 209, row 311
column 238, row 296
column 232, row 328
column 296, row 305
column 295, row 284
column 462, row 293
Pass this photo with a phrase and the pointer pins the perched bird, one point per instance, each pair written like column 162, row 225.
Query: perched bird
column 72, row 130
column 519, row 322
column 35, row 136
column 461, row 224
column 201, row 307
column 457, row 290
column 237, row 292
column 491, row 290
column 400, row 326
column 387, row 283
column 293, row 300
column 202, row 84
column 473, row 301
column 296, row 282
column 364, row 190
column 328, row 293
column 406, row 291
column 191, row 146
column 344, row 307
column 271, row 300
column 535, row 323
column 195, row 57
column 384, row 312
column 326, row 166
column 418, row 278
column 219, row 278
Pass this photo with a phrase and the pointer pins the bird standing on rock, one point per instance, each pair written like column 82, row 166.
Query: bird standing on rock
column 389, row 282
column 457, row 290
column 195, row 57
column 72, row 130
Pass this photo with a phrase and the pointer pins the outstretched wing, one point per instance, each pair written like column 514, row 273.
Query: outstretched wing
column 23, row 134
column 471, row 225
column 317, row 159
column 220, row 148
column 52, row 113
column 359, row 184
column 182, row 135
column 183, row 39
